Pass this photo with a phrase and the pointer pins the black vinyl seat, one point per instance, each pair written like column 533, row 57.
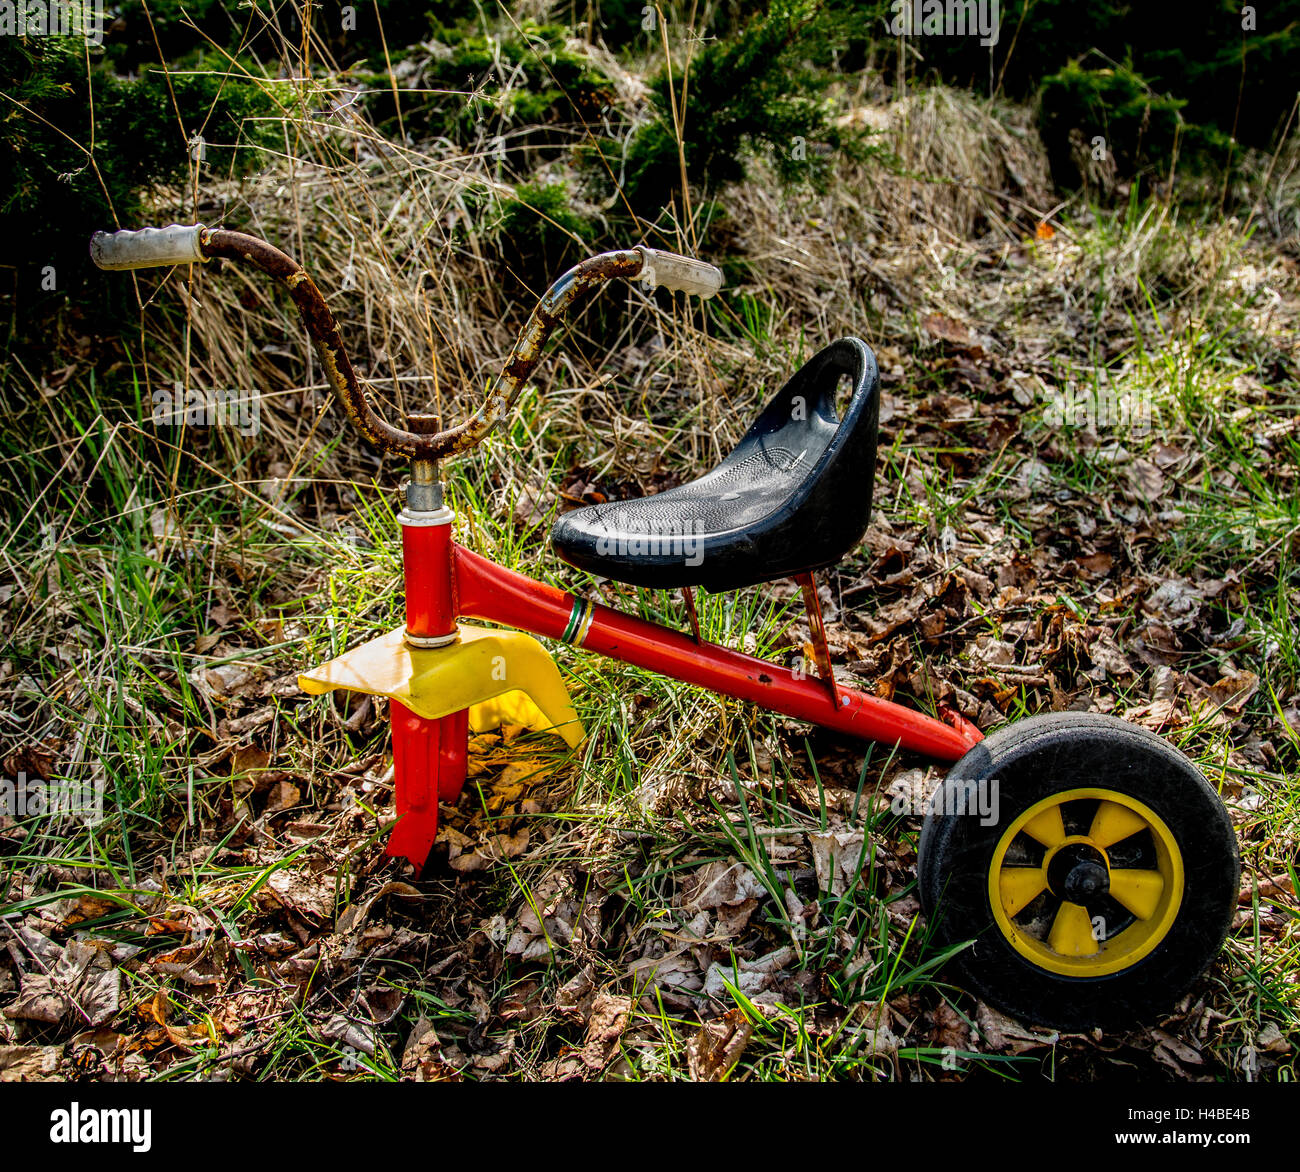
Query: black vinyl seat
column 794, row 495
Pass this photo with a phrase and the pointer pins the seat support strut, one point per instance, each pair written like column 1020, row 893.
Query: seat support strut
column 821, row 649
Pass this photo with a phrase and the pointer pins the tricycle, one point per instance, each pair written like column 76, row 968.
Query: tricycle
column 1080, row 868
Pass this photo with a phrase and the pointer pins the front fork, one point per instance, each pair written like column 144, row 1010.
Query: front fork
column 428, row 755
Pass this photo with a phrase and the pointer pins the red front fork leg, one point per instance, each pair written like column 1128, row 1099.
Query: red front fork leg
column 428, row 767
column 428, row 755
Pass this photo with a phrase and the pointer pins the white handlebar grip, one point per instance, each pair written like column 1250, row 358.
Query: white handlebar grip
column 679, row 272
column 149, row 248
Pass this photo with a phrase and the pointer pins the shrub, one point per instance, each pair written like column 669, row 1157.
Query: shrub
column 1220, row 78
column 265, row 28
column 1138, row 125
column 760, row 91
column 526, row 80
column 82, row 144
column 540, row 234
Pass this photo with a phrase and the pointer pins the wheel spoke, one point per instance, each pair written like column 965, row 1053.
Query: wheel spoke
column 1020, row 886
column 1071, row 933
column 1139, row 891
column 1113, row 823
column 1047, row 827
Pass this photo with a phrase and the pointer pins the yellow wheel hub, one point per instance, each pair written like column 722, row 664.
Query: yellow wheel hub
column 1089, row 889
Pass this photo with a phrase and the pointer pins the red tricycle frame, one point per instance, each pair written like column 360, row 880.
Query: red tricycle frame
column 446, row 582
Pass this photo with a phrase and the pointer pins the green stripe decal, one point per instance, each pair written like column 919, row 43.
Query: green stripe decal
column 575, row 621
column 575, row 630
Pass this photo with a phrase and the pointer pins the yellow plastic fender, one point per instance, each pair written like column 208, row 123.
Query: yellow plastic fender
column 501, row 677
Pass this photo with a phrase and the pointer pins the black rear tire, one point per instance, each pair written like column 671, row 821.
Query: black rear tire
column 1028, row 766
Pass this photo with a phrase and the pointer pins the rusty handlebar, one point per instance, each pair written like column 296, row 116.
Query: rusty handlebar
column 182, row 244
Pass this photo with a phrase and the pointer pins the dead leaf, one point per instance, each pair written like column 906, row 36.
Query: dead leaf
column 40, row 1000
column 1147, row 480
column 1272, row 887
column 1173, row 1053
column 609, row 1014
column 722, row 884
column 422, row 1045
column 284, row 797
column 534, row 505
column 309, row 895
column 718, row 1045
column 836, row 855
column 946, row 329
column 29, row 1063
column 190, row 1037
column 526, row 770
column 751, row 977
column 249, row 759
column 351, row 1034
column 221, row 615
column 79, row 980
column 1095, row 565
column 949, row 1029
column 1270, row 1038
column 574, row 998
column 1232, row 690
